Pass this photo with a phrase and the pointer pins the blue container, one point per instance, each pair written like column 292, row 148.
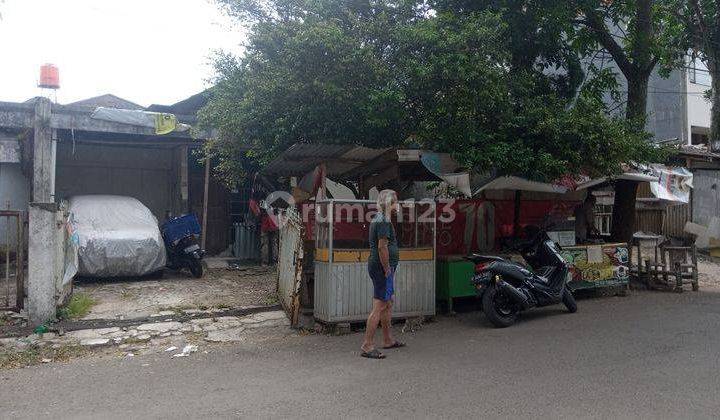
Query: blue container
column 180, row 227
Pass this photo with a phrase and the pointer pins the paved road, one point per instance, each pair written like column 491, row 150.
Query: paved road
column 651, row 355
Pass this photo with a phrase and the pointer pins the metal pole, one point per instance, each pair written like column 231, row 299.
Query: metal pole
column 20, row 264
column 205, row 203
column 331, row 225
column 7, row 260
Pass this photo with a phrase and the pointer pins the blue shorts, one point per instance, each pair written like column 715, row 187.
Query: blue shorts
column 383, row 287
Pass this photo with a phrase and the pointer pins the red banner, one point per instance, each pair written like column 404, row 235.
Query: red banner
column 466, row 226
column 463, row 226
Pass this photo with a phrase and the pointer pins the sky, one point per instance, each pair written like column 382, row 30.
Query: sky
column 146, row 51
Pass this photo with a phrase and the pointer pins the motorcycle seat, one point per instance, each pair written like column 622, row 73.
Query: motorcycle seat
column 512, row 270
column 484, row 258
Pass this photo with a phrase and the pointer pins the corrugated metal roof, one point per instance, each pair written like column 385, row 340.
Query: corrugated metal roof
column 300, row 159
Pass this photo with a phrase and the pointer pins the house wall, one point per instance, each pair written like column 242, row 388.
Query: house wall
column 14, row 188
column 666, row 103
column 147, row 174
column 698, row 108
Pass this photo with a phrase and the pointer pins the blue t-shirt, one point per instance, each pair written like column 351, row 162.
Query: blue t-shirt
column 380, row 227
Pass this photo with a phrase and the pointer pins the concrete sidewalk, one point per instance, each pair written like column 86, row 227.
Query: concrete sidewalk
column 646, row 355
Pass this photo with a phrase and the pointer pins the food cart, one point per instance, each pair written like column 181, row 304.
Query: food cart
column 342, row 288
column 597, row 266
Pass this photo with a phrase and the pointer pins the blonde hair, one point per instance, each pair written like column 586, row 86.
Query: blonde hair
column 385, row 199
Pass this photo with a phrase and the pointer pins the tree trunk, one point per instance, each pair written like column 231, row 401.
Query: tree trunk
column 623, row 217
column 714, row 138
column 637, row 97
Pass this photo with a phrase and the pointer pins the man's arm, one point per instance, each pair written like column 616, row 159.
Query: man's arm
column 590, row 221
column 384, row 254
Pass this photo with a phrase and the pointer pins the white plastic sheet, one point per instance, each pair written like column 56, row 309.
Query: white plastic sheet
column 674, row 184
column 117, row 236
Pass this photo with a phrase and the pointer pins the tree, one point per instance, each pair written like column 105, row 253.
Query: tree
column 638, row 35
column 383, row 73
column 701, row 25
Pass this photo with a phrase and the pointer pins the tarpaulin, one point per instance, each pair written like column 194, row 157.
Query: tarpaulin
column 117, row 236
column 514, row 183
column 458, row 180
column 163, row 123
column 674, row 184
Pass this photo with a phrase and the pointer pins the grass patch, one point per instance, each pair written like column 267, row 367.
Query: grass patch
column 78, row 306
column 34, row 355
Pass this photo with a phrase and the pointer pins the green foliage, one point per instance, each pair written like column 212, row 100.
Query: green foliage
column 450, row 78
column 78, row 306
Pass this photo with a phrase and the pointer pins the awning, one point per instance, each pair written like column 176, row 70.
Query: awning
column 514, row 183
column 628, row 176
column 670, row 185
column 372, row 166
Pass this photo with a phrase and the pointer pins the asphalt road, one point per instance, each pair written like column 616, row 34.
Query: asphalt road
column 649, row 355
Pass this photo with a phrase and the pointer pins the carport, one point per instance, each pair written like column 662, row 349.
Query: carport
column 65, row 151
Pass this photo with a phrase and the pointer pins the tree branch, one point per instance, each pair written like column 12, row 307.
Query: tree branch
column 594, row 22
column 699, row 15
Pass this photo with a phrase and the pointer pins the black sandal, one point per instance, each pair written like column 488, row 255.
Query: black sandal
column 372, row 354
column 395, row 345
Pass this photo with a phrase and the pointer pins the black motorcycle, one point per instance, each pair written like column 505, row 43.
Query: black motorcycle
column 181, row 242
column 507, row 288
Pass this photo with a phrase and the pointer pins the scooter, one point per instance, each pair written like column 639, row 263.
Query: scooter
column 507, row 288
column 180, row 235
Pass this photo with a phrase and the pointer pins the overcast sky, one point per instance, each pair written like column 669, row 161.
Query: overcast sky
column 146, row 51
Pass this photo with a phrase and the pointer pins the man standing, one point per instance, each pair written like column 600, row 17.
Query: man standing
column 382, row 263
column 585, row 219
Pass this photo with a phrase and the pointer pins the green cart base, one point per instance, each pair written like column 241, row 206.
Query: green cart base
column 622, row 284
column 453, row 280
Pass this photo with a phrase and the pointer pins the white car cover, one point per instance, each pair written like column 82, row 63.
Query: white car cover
column 118, row 236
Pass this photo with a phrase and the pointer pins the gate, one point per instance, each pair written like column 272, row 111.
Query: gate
column 290, row 263
column 12, row 260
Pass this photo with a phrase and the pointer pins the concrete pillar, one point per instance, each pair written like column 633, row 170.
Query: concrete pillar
column 42, row 232
column 41, row 263
column 43, row 154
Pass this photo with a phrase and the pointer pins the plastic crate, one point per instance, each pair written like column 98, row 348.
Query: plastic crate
column 180, row 227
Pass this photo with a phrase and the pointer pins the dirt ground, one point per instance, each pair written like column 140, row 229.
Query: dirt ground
column 219, row 288
column 709, row 272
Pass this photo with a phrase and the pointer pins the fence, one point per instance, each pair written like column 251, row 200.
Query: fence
column 668, row 221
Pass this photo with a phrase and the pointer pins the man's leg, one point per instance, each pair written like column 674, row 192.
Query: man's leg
column 386, row 320
column 372, row 324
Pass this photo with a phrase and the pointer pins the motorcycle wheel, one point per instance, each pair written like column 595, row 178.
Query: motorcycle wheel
column 196, row 268
column 569, row 301
column 498, row 308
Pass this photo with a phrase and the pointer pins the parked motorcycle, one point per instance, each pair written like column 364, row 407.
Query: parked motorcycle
column 181, row 242
column 507, row 288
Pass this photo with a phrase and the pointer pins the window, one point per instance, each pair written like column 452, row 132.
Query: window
column 697, row 138
column 698, row 71
column 603, row 218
